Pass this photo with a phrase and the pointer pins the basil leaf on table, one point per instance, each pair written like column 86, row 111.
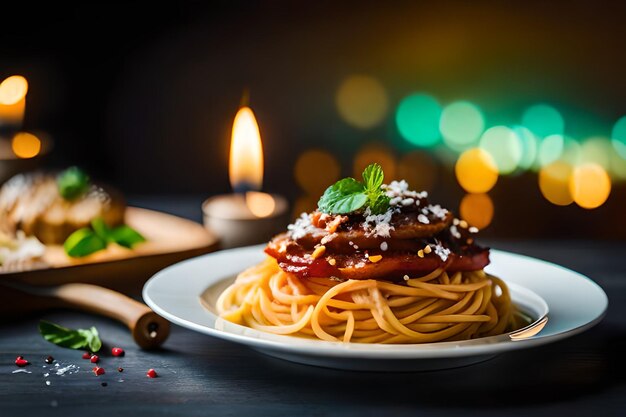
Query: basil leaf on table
column 83, row 242
column 73, row 339
column 72, row 183
column 126, row 236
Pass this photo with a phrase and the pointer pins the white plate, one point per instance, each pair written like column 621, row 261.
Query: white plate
column 185, row 294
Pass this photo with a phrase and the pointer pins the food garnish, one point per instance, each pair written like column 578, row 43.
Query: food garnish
column 69, row 338
column 349, row 195
column 86, row 241
column 73, row 183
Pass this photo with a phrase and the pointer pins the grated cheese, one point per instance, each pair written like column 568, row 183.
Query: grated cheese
column 378, row 225
column 442, row 252
column 301, row 227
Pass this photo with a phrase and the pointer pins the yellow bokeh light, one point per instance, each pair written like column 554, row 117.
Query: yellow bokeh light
column 315, row 170
column 554, row 183
column 597, row 150
column 362, row 101
column 477, row 210
column 260, row 204
column 379, row 153
column 476, row 171
column 26, row 145
column 419, row 169
column 13, row 89
column 590, row 185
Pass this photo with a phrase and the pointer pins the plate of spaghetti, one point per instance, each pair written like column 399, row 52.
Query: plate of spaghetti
column 377, row 278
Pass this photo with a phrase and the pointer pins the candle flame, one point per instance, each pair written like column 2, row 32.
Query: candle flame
column 246, row 153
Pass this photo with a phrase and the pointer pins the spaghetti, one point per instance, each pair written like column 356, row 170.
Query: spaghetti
column 375, row 263
column 432, row 308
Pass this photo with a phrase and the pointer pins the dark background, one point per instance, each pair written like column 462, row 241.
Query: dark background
column 144, row 96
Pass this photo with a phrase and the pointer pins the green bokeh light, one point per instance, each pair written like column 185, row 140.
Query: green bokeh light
column 417, row 118
column 551, row 149
column 530, row 147
column 543, row 120
column 619, row 137
column 461, row 125
column 505, row 147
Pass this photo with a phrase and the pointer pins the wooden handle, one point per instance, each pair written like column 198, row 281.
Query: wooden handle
column 149, row 330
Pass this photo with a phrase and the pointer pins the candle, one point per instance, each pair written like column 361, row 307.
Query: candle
column 13, row 101
column 247, row 216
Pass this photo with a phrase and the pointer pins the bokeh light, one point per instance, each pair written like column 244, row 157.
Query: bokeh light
column 461, row 125
column 596, row 150
column 13, row 89
column 572, row 151
column 419, row 169
column 543, row 120
column 315, row 170
column 418, row 118
column 504, row 145
column 618, row 166
column 590, row 185
column 260, row 204
column 477, row 210
column 362, row 101
column 371, row 153
column 551, row 149
column 26, row 145
column 530, row 147
column 554, row 182
column 476, row 171
column 618, row 136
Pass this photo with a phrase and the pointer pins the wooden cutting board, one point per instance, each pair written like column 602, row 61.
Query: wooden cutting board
column 169, row 239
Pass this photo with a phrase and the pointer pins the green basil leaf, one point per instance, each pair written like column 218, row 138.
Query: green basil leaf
column 342, row 197
column 72, row 183
column 373, row 177
column 83, row 242
column 73, row 339
column 126, row 236
column 101, row 228
column 347, row 204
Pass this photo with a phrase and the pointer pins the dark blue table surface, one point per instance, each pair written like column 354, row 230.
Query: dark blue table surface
column 200, row 375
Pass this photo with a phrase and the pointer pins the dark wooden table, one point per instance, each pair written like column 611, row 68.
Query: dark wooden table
column 200, row 375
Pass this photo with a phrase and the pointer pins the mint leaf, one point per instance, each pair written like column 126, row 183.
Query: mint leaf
column 72, row 183
column 83, row 242
column 126, row 236
column 73, row 339
column 373, row 177
column 343, row 197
